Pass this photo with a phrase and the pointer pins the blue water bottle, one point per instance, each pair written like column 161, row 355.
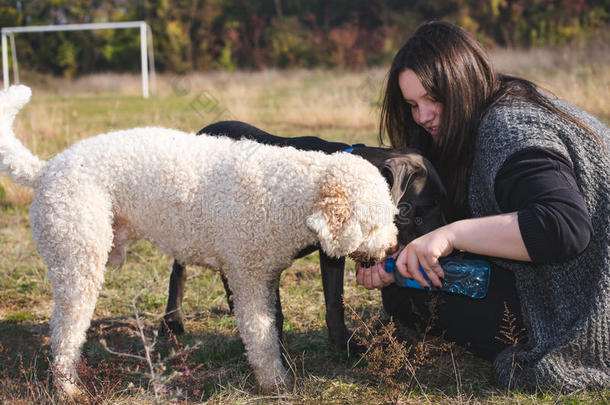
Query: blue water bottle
column 469, row 277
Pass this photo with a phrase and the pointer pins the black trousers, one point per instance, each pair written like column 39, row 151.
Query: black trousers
column 475, row 324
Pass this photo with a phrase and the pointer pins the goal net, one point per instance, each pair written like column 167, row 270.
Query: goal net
column 146, row 48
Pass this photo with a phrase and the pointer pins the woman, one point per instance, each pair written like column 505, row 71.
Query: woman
column 528, row 186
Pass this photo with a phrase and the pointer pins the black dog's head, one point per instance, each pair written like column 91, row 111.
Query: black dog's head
column 417, row 191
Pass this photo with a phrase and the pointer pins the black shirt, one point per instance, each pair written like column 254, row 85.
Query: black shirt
column 540, row 185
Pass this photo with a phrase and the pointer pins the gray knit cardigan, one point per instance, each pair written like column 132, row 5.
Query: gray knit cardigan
column 566, row 306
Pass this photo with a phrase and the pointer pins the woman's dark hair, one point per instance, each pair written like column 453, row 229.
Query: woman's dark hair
column 457, row 72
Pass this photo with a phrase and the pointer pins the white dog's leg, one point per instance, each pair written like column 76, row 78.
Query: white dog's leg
column 74, row 305
column 76, row 256
column 255, row 316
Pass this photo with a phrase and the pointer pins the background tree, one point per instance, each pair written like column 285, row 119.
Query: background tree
column 230, row 34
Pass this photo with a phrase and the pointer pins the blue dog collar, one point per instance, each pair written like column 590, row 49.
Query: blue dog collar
column 351, row 148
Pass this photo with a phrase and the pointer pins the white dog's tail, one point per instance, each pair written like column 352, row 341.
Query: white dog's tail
column 15, row 158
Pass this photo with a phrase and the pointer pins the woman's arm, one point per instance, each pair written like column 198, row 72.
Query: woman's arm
column 497, row 236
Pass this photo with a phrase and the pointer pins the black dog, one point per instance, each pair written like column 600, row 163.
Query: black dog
column 416, row 188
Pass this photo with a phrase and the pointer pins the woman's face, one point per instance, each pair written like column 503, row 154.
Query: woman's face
column 425, row 109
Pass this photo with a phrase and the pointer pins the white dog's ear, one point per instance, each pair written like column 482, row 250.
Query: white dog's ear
column 334, row 222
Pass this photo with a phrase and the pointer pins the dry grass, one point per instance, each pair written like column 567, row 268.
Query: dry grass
column 577, row 73
column 332, row 104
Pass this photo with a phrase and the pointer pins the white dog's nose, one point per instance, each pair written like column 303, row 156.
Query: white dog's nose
column 392, row 250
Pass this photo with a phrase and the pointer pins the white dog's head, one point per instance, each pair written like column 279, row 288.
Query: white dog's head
column 353, row 212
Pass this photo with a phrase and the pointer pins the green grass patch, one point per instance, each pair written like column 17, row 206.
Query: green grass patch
column 19, row 317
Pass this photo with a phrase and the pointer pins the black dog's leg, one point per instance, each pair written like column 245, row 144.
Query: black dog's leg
column 279, row 324
column 173, row 320
column 279, row 316
column 228, row 292
column 332, row 283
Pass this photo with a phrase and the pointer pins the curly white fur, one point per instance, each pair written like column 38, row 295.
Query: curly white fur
column 239, row 207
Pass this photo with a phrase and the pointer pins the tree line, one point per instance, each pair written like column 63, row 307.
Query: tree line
column 230, row 34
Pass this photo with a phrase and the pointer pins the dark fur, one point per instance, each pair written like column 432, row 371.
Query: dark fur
column 415, row 187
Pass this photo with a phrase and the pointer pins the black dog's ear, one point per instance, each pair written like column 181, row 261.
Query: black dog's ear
column 400, row 173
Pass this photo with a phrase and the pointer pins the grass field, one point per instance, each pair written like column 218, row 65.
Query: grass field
column 208, row 363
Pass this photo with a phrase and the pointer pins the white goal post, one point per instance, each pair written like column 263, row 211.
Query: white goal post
column 146, row 46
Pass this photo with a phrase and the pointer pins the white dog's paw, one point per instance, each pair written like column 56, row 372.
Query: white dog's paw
column 280, row 381
column 67, row 391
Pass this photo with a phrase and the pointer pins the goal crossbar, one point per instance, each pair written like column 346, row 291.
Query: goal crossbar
column 146, row 49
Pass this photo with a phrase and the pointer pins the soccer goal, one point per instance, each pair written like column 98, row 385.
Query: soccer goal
column 146, row 46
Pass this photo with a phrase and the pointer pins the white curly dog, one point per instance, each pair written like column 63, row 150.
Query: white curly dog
column 208, row 201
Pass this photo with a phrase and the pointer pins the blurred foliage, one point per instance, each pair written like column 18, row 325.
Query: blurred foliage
column 228, row 34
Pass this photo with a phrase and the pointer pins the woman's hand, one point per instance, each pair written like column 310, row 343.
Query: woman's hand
column 496, row 235
column 374, row 276
column 425, row 251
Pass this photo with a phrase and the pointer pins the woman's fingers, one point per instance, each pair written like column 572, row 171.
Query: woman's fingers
column 434, row 277
column 413, row 269
column 359, row 274
column 435, row 266
column 386, row 278
column 364, row 276
column 373, row 277
column 433, row 270
column 409, row 261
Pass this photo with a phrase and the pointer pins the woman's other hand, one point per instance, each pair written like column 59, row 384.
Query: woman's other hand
column 374, row 276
